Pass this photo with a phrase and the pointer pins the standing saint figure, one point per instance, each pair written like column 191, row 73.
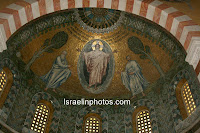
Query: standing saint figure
column 133, row 78
column 96, row 62
column 58, row 74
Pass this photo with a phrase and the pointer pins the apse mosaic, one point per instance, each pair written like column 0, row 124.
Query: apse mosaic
column 66, row 54
column 96, row 53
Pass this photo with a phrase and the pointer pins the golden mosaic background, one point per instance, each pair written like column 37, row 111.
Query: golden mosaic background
column 78, row 38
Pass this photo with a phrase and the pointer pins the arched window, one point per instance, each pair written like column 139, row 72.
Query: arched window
column 42, row 117
column 185, row 99
column 92, row 123
column 3, row 80
column 188, row 99
column 6, row 81
column 143, row 122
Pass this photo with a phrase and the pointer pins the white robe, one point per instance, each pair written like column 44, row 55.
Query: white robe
column 135, row 83
column 96, row 62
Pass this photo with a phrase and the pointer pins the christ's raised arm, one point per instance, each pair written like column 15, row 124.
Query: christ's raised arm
column 79, row 50
column 115, row 51
column 82, row 53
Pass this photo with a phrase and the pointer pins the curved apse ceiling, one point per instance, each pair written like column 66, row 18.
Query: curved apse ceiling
column 37, row 45
column 99, row 20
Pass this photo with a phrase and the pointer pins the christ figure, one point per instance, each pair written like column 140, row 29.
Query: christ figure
column 96, row 62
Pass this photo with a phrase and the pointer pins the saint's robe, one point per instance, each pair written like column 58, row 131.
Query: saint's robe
column 96, row 62
column 58, row 74
column 135, row 83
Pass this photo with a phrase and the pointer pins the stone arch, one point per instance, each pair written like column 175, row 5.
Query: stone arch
column 179, row 97
column 14, row 89
column 56, row 114
column 179, row 25
column 129, row 112
column 193, row 83
column 102, row 113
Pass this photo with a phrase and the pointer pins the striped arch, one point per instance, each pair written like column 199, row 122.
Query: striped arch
column 181, row 26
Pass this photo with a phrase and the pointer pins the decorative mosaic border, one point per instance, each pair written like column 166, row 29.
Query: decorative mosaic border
column 93, row 109
column 155, row 34
column 95, row 30
column 134, row 23
column 190, row 121
column 39, row 27
column 8, row 104
column 30, row 115
column 128, row 115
